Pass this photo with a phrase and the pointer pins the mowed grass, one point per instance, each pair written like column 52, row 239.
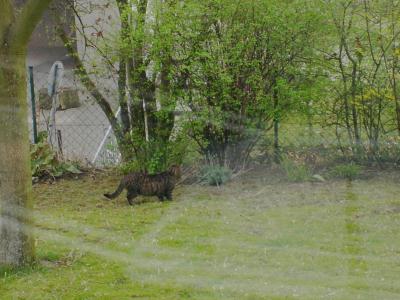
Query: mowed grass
column 256, row 238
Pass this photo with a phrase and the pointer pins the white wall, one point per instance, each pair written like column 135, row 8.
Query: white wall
column 98, row 27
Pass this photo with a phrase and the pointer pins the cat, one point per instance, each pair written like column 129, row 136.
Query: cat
column 140, row 183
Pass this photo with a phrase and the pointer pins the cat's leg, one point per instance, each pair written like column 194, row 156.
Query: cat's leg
column 130, row 196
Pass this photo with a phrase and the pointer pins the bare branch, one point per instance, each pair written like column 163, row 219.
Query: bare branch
column 88, row 83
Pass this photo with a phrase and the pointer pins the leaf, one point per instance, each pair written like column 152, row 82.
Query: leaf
column 44, row 162
column 73, row 169
column 57, row 172
column 318, row 178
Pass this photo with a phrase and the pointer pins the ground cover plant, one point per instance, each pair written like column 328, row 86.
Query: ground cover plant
column 258, row 237
column 47, row 165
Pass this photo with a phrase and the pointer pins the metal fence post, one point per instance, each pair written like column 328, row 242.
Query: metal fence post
column 33, row 103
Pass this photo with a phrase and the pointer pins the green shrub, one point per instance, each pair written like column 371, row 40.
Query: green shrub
column 45, row 164
column 348, row 171
column 296, row 172
column 154, row 157
column 215, row 175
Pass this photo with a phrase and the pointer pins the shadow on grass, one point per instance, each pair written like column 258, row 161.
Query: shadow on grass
column 44, row 261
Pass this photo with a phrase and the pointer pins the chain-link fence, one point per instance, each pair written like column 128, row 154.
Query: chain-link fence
column 83, row 131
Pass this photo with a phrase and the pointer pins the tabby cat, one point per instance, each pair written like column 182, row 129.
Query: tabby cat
column 140, row 183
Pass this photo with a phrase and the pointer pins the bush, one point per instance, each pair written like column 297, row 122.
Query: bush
column 296, row 172
column 155, row 157
column 215, row 175
column 348, row 171
column 45, row 164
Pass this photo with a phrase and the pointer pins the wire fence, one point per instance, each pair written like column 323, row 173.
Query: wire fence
column 83, row 131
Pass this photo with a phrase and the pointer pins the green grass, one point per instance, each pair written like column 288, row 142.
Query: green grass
column 255, row 238
column 296, row 172
column 347, row 171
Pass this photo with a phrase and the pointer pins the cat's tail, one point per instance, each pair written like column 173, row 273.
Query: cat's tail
column 117, row 192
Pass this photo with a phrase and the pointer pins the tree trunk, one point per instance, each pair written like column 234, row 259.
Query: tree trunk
column 277, row 151
column 16, row 241
column 123, row 103
column 396, row 93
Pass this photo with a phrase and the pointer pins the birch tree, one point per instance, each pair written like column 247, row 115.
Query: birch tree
column 139, row 58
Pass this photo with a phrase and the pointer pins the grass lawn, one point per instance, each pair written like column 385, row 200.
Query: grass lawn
column 256, row 238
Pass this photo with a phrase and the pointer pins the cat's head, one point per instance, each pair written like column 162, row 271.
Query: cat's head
column 175, row 170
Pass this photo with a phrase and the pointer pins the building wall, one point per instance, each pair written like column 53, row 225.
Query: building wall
column 44, row 47
column 97, row 29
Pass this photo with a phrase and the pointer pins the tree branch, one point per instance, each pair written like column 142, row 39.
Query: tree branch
column 80, row 70
column 26, row 22
column 6, row 18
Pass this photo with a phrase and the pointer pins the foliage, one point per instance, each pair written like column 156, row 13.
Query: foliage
column 360, row 52
column 295, row 171
column 215, row 174
column 154, row 156
column 389, row 151
column 231, row 77
column 347, row 171
column 147, row 116
column 45, row 164
column 331, row 63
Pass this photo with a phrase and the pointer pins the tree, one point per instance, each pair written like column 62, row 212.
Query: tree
column 362, row 59
column 238, row 79
column 139, row 58
column 16, row 28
